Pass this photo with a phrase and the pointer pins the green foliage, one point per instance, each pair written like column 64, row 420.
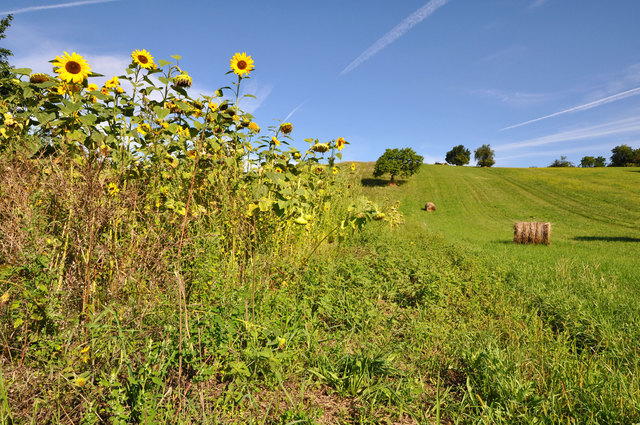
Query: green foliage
column 591, row 162
column 459, row 155
column 562, row 162
column 484, row 156
column 5, row 87
column 624, row 156
column 398, row 162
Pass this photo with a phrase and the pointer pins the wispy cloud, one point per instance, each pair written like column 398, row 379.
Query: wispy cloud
column 260, row 91
column 400, row 30
column 518, row 99
column 591, row 149
column 53, row 6
column 538, row 3
column 608, row 129
column 584, row 107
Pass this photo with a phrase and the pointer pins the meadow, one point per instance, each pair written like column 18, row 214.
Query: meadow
column 163, row 259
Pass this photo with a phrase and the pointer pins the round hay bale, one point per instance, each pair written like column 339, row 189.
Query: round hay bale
column 532, row 232
column 430, row 206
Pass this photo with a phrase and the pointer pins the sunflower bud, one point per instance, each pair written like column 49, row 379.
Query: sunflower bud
column 183, row 80
column 38, row 78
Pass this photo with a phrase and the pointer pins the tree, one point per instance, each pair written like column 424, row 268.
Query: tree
column 4, row 53
column 397, row 162
column 562, row 162
column 601, row 161
column 484, row 156
column 459, row 155
column 622, row 156
column 588, row 162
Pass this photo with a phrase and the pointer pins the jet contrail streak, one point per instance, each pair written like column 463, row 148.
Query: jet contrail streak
column 53, row 6
column 404, row 26
column 584, row 107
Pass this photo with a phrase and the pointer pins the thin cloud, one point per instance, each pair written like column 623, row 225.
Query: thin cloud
column 402, row 28
column 538, row 3
column 54, row 6
column 613, row 128
column 584, row 107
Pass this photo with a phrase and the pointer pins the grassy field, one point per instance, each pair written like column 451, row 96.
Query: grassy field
column 578, row 295
column 441, row 319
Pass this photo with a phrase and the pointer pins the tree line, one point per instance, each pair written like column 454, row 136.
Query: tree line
column 621, row 156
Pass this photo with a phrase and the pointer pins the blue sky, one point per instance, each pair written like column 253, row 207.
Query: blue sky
column 535, row 79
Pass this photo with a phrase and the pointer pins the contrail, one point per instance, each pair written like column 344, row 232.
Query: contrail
column 294, row 111
column 404, row 26
column 53, row 6
column 584, row 107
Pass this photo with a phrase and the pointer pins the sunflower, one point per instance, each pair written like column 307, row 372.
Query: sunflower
column 320, row 147
column 241, row 64
column 340, row 143
column 104, row 91
column 253, row 127
column 353, row 166
column 143, row 59
column 92, row 87
column 183, row 80
column 334, row 171
column 286, row 128
column 275, row 141
column 112, row 83
column 72, row 68
column 38, row 78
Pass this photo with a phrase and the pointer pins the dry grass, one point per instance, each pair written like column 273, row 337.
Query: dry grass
column 532, row 233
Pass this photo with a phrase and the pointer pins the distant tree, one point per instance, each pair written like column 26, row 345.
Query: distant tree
column 562, row 162
column 622, row 156
column 459, row 155
column 601, row 161
column 588, row 162
column 397, row 162
column 636, row 157
column 484, row 156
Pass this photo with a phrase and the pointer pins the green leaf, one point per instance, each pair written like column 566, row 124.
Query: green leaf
column 176, row 57
column 21, row 71
column 162, row 63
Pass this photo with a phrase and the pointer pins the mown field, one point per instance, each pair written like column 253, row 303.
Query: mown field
column 564, row 347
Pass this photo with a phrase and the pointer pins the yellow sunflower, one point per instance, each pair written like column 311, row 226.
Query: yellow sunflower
column 112, row 83
column 253, row 127
column 92, row 87
column 241, row 64
column 275, row 141
column 334, row 171
column 72, row 68
column 340, row 143
column 143, row 59
column 353, row 167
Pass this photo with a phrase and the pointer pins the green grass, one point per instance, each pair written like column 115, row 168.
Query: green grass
column 439, row 320
column 563, row 344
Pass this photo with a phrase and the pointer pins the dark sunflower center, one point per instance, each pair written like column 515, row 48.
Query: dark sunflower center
column 143, row 59
column 242, row 65
column 73, row 67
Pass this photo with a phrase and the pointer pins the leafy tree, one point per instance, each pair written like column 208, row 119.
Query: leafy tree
column 397, row 162
column 484, row 156
column 588, row 162
column 601, row 161
column 4, row 53
column 459, row 155
column 562, row 162
column 622, row 156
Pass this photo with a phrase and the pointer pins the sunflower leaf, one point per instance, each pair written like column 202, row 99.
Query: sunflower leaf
column 21, row 71
column 162, row 63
